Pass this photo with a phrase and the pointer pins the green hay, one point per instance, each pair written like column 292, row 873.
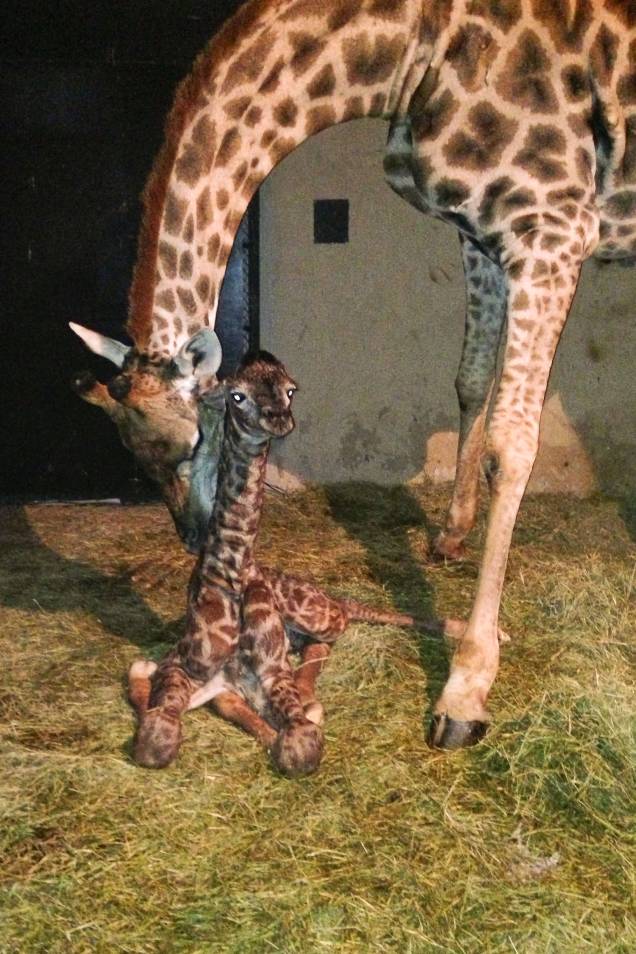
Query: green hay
column 522, row 844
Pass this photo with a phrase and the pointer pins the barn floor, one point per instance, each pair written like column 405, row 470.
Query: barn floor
column 522, row 844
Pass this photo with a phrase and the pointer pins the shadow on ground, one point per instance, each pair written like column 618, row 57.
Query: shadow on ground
column 35, row 576
column 387, row 521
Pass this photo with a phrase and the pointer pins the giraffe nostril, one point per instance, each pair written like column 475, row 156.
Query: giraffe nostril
column 83, row 381
column 119, row 387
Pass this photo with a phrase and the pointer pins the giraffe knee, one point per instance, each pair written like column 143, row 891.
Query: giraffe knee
column 298, row 749
column 157, row 740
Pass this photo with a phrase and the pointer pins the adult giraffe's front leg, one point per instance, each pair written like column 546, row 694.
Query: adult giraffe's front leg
column 539, row 300
column 485, row 314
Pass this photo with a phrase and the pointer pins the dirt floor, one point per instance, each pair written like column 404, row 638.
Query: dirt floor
column 525, row 843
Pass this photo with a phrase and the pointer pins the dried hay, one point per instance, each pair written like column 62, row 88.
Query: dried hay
column 524, row 843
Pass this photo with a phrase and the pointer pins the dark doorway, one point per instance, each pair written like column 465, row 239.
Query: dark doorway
column 85, row 89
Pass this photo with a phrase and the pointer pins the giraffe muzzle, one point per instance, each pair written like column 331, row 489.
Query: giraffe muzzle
column 83, row 381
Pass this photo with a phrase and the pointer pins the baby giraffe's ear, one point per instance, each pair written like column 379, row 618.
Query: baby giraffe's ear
column 200, row 356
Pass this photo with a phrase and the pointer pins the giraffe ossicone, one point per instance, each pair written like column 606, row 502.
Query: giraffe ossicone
column 510, row 120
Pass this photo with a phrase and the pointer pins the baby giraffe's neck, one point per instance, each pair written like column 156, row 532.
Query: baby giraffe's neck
column 228, row 550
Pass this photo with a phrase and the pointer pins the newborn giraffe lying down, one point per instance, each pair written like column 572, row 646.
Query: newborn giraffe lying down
column 241, row 616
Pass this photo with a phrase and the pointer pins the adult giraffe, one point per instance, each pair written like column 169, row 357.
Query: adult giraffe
column 513, row 119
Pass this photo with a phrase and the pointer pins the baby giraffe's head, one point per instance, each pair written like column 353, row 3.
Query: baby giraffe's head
column 259, row 397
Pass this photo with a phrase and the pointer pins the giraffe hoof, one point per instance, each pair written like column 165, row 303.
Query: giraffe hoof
column 445, row 548
column 447, row 733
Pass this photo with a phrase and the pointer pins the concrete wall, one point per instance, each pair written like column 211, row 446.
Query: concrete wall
column 373, row 330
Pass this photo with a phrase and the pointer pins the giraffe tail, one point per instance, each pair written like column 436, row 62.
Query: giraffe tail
column 360, row 612
column 139, row 684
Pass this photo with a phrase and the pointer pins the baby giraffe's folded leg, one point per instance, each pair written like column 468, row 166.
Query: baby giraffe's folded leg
column 158, row 737
column 233, row 708
column 298, row 746
column 314, row 657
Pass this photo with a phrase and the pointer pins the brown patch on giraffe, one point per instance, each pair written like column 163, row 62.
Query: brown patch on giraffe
column 470, row 52
column 168, row 257
column 214, row 244
column 189, row 167
column 161, row 323
column 622, row 205
column 232, row 222
column 205, row 212
column 271, row 81
column 626, row 12
column 253, row 116
column 222, row 199
column 542, row 152
column 377, row 104
column 320, row 117
column 370, row 61
column 237, row 107
column 238, row 176
column 186, row 265
column 434, row 117
column 603, row 55
column 626, row 87
column 224, row 254
column 579, row 124
column 165, row 299
column 230, row 145
column 566, row 33
column 342, row 14
column 203, row 288
column 247, row 66
column 525, row 79
column 576, row 83
column 250, row 186
column 285, row 112
column 522, row 224
column 187, row 300
column 188, row 229
column 268, row 138
column 281, row 148
column 504, row 14
column 173, row 213
column 584, row 165
column 551, row 240
column 449, row 193
column 323, row 83
column 516, row 268
column 306, row 50
column 387, row 9
column 491, row 133
column 354, row 108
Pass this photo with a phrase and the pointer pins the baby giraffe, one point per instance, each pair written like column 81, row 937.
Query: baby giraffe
column 235, row 652
column 227, row 597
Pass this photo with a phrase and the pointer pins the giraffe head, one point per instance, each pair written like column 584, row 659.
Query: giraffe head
column 155, row 404
column 259, row 397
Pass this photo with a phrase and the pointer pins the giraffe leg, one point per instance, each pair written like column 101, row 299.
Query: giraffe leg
column 230, row 706
column 314, row 657
column 158, row 736
column 539, row 299
column 485, row 314
column 299, row 745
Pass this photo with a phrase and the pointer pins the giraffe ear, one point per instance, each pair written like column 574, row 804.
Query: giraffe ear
column 108, row 348
column 201, row 355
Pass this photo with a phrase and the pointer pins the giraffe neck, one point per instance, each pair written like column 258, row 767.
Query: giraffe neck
column 228, row 551
column 280, row 71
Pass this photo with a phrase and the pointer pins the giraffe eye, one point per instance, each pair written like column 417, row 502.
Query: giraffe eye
column 291, row 392
column 238, row 397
